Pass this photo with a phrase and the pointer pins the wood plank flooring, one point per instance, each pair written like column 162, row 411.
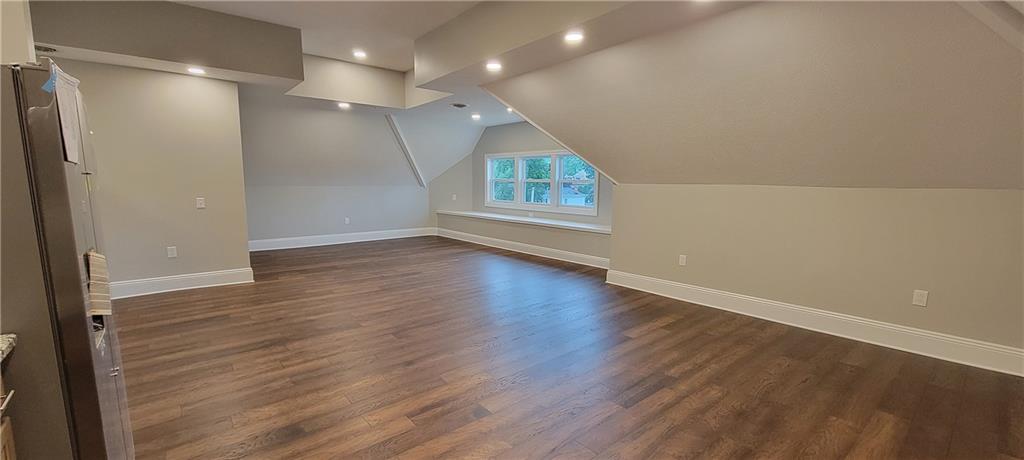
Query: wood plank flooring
column 433, row 348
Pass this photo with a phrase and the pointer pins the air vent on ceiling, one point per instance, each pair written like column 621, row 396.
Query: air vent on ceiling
column 459, row 105
column 45, row 49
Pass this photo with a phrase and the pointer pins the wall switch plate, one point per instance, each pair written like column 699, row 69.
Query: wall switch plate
column 454, row 197
column 172, row 252
column 200, row 202
column 682, row 259
column 348, row 221
column 920, row 298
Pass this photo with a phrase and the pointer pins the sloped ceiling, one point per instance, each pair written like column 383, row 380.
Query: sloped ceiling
column 439, row 135
column 822, row 94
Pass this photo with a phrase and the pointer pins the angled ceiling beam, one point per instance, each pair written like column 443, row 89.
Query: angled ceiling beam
column 405, row 149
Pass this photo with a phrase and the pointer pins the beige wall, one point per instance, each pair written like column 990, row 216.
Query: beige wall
column 295, row 210
column 466, row 181
column 161, row 140
column 308, row 165
column 458, row 181
column 291, row 140
column 594, row 244
column 514, row 137
column 859, row 251
column 857, row 94
column 876, row 149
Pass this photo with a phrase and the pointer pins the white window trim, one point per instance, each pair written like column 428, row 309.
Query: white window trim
column 490, row 180
column 556, row 185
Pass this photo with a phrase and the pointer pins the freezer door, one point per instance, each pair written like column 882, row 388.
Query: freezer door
column 64, row 216
column 42, row 421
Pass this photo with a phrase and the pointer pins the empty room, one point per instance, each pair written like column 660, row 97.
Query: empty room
column 518, row 230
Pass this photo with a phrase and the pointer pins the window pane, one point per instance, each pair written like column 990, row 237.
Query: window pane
column 577, row 195
column 573, row 167
column 537, row 168
column 503, row 168
column 503, row 191
column 537, row 192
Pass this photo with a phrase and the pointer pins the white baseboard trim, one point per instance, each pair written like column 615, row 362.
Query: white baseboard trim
column 338, row 238
column 961, row 350
column 132, row 288
column 550, row 253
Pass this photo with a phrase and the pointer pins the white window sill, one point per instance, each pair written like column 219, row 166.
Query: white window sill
column 553, row 223
column 573, row 210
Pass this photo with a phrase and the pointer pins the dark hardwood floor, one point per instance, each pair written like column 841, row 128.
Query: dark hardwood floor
column 429, row 347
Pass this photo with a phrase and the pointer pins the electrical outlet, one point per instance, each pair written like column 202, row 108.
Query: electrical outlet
column 348, row 221
column 920, row 298
column 172, row 252
column 200, row 202
column 682, row 259
column 454, row 197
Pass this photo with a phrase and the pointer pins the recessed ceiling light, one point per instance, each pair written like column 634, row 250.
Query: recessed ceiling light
column 475, row 117
column 493, row 66
column 359, row 54
column 508, row 109
column 344, row 105
column 196, row 70
column 573, row 36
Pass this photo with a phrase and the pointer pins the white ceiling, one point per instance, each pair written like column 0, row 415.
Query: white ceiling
column 385, row 30
column 491, row 111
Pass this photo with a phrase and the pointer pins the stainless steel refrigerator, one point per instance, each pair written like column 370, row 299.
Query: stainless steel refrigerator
column 70, row 397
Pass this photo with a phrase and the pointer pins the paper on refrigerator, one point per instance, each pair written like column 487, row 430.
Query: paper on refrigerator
column 66, row 88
